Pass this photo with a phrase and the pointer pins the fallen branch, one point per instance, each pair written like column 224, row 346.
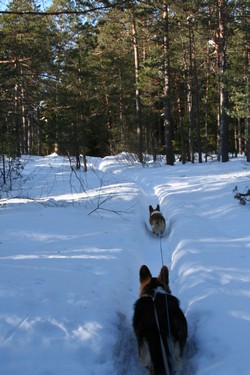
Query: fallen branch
column 242, row 197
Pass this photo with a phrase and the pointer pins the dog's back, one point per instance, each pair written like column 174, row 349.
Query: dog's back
column 171, row 325
column 147, row 331
column 157, row 221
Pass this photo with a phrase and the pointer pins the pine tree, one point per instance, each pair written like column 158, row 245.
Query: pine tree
column 25, row 61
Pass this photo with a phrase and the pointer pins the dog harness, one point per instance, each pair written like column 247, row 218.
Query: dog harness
column 161, row 290
column 153, row 292
column 155, row 212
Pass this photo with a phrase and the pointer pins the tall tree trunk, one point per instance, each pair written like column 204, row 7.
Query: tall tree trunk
column 191, row 122
column 197, row 111
column 223, row 93
column 137, row 90
column 80, row 121
column 183, row 147
column 206, row 113
column 121, row 115
column 190, row 96
column 247, row 120
column 194, row 90
column 248, row 138
column 4, row 169
column 170, row 159
column 18, row 148
column 39, row 132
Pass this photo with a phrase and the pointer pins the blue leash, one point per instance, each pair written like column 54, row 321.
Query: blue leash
column 168, row 319
column 164, row 356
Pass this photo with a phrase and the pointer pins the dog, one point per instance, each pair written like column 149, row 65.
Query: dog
column 159, row 324
column 157, row 220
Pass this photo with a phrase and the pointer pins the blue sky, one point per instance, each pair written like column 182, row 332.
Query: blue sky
column 3, row 4
column 44, row 4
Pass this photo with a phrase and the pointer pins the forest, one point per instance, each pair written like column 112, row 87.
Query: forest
column 101, row 77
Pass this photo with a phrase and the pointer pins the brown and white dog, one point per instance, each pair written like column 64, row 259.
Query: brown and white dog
column 159, row 324
column 156, row 220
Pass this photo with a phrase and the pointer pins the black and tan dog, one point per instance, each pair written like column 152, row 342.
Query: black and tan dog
column 156, row 220
column 159, row 324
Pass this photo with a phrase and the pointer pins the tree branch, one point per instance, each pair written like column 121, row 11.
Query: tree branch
column 63, row 12
column 55, row 13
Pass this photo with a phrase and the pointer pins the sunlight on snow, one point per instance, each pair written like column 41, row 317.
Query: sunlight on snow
column 240, row 315
column 58, row 256
column 87, row 331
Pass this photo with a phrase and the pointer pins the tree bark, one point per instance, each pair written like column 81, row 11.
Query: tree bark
column 137, row 90
column 248, row 139
column 247, row 120
column 170, row 158
column 223, row 93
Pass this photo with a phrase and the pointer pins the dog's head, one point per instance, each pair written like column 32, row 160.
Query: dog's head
column 147, row 282
column 151, row 209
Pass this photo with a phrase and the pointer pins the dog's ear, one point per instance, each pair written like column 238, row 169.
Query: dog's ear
column 151, row 209
column 163, row 278
column 144, row 273
column 163, row 275
column 158, row 207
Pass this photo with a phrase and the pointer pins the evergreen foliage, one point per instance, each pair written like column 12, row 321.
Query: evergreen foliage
column 68, row 81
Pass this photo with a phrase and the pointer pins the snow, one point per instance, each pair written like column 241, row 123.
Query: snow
column 71, row 247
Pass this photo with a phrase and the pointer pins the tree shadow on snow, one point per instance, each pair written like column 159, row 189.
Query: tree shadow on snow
column 189, row 367
column 125, row 351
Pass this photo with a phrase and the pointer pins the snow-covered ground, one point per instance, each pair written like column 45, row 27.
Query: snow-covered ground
column 71, row 246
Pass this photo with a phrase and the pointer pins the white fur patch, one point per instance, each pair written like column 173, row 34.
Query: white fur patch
column 155, row 212
column 145, row 354
column 177, row 356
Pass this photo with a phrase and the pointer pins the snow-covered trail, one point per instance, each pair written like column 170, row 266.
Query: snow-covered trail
column 207, row 251
column 68, row 280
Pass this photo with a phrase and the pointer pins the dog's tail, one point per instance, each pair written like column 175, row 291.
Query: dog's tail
column 160, row 345
column 159, row 226
column 161, row 356
column 172, row 333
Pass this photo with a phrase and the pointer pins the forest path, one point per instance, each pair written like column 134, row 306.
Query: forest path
column 152, row 251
